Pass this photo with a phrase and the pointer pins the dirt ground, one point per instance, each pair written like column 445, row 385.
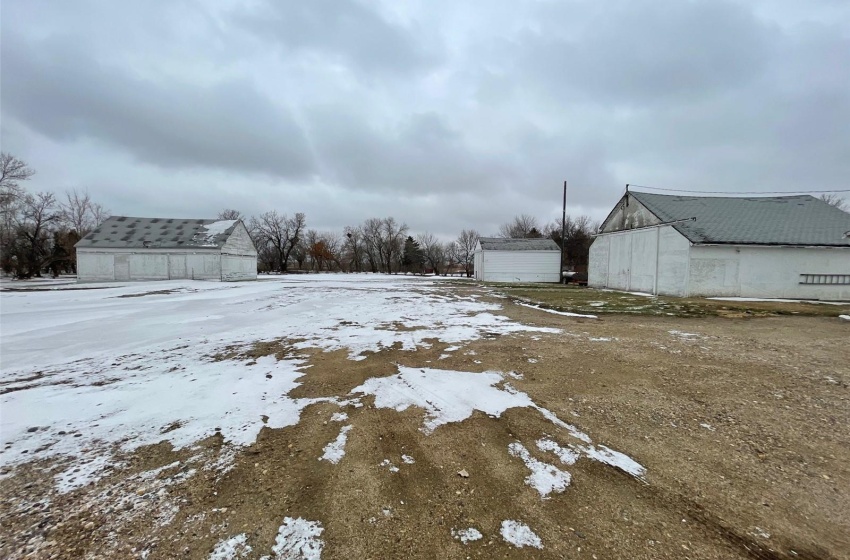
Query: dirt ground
column 741, row 424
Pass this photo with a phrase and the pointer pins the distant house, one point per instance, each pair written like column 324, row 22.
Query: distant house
column 124, row 248
column 766, row 247
column 517, row 260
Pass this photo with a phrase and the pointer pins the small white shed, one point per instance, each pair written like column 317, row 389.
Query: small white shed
column 757, row 247
column 125, row 248
column 517, row 260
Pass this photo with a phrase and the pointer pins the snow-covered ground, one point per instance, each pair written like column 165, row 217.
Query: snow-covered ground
column 89, row 372
column 134, row 364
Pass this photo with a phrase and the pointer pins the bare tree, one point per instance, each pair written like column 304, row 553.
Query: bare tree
column 354, row 248
column 229, row 214
column 834, row 200
column 452, row 256
column 393, row 235
column 465, row 250
column 521, row 226
column 76, row 212
column 99, row 213
column 279, row 235
column 433, row 251
column 38, row 213
column 324, row 250
column 577, row 240
column 373, row 240
column 12, row 172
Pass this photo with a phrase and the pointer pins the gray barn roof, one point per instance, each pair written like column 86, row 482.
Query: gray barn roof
column 501, row 244
column 776, row 220
column 123, row 232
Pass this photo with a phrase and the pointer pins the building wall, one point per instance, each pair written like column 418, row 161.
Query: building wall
column 767, row 272
column 597, row 264
column 239, row 242
column 477, row 270
column 629, row 214
column 149, row 266
column 518, row 266
column 203, row 266
column 126, row 265
column 94, row 267
column 238, row 267
column 673, row 262
column 653, row 260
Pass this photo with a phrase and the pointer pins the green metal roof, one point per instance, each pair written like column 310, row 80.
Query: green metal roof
column 776, row 220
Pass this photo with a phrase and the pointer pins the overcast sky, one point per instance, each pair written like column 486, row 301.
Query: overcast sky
column 444, row 114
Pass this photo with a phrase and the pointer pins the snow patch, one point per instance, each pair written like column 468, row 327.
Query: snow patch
column 206, row 237
column 389, row 464
column 335, row 450
column 232, row 548
column 339, row 417
column 82, row 473
column 544, row 478
column 686, row 335
column 298, row 539
column 467, row 535
column 615, row 459
column 845, row 317
column 555, row 312
column 446, row 396
column 407, row 459
column 519, row 534
column 567, row 456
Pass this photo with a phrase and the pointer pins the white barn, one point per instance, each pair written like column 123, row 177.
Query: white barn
column 767, row 247
column 517, row 260
column 124, row 248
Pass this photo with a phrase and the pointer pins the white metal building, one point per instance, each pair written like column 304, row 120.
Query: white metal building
column 768, row 247
column 517, row 260
column 124, row 248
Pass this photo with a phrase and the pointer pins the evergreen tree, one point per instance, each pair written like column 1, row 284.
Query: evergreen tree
column 413, row 259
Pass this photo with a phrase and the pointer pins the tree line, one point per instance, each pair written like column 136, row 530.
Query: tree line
column 38, row 231
column 284, row 243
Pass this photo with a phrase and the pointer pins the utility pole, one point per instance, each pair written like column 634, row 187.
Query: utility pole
column 563, row 231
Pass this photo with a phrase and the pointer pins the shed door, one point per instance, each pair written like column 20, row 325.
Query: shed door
column 177, row 266
column 122, row 267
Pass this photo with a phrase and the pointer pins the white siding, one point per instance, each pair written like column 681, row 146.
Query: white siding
column 203, row 266
column 128, row 265
column 235, row 268
column 148, row 266
column 518, row 266
column 177, row 266
column 767, row 272
column 653, row 260
column 673, row 262
column 94, row 267
column 597, row 267
column 239, row 243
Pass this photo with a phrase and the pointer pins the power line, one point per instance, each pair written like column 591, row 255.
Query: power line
column 732, row 193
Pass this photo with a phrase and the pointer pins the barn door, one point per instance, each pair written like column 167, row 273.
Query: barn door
column 122, row 267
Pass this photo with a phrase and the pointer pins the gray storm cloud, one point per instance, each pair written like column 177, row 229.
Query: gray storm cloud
column 444, row 115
